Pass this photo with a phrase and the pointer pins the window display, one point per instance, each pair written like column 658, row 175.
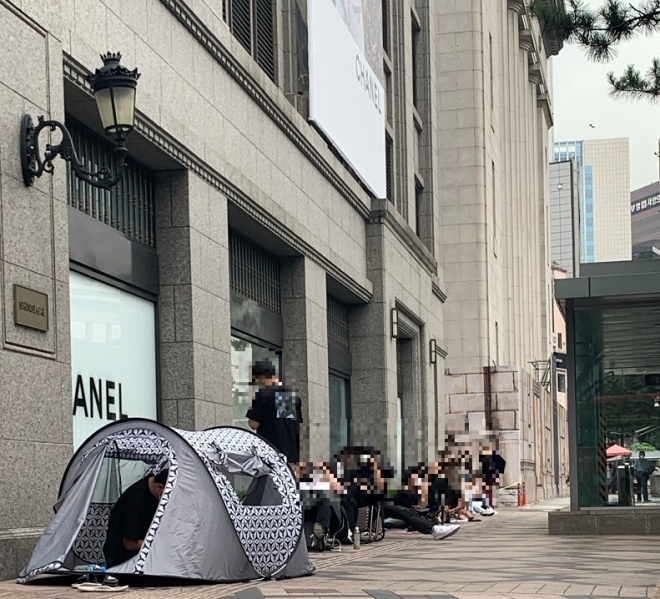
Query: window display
column 113, row 356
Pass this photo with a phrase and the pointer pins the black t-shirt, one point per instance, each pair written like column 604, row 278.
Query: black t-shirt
column 130, row 518
column 278, row 410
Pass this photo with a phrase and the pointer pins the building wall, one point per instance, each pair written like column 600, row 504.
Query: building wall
column 231, row 149
column 610, row 160
column 565, row 215
column 645, row 215
column 494, row 113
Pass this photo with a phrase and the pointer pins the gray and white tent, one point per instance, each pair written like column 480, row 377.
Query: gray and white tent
column 201, row 530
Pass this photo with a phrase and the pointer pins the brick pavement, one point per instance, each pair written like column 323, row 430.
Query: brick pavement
column 509, row 556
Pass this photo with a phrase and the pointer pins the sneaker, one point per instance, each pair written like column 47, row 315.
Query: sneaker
column 488, row 511
column 442, row 531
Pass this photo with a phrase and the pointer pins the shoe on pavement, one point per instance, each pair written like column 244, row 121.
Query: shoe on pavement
column 442, row 531
column 319, row 537
column 489, row 511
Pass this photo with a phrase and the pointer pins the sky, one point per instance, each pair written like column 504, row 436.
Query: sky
column 581, row 97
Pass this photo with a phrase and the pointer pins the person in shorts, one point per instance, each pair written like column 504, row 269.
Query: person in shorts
column 276, row 412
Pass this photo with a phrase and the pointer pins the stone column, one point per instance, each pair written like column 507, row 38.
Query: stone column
column 305, row 351
column 195, row 324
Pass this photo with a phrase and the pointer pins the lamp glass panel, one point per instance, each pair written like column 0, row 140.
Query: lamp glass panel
column 125, row 106
column 104, row 105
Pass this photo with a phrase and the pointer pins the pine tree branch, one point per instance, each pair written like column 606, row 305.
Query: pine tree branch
column 633, row 85
column 599, row 30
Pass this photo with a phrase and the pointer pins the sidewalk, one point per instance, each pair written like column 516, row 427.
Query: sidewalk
column 509, row 556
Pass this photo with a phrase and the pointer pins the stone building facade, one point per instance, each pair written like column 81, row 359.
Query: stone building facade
column 494, row 113
column 238, row 233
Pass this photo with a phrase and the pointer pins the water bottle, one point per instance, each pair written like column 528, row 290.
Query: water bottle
column 356, row 538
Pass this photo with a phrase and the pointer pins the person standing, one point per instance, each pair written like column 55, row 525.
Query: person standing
column 276, row 412
column 642, row 473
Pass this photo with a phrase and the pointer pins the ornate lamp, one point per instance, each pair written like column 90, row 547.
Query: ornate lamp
column 114, row 90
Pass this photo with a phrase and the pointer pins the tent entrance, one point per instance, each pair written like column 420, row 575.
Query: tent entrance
column 116, row 475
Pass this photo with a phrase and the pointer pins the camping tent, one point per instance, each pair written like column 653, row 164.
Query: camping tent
column 201, row 530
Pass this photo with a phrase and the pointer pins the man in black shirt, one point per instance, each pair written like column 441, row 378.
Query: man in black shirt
column 276, row 412
column 131, row 518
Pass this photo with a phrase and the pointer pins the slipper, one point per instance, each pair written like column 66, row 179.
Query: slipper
column 474, row 519
column 77, row 585
column 102, row 588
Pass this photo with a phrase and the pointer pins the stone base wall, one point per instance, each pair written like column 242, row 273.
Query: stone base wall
column 600, row 522
column 521, row 420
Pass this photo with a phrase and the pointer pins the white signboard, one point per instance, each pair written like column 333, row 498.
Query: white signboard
column 113, row 356
column 346, row 95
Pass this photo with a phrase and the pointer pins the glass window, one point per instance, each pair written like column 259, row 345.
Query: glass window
column 243, row 354
column 561, row 382
column 340, row 413
column 113, row 356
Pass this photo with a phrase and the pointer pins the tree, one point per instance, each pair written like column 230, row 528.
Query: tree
column 600, row 30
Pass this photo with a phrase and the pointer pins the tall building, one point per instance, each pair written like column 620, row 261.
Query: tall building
column 565, row 215
column 604, row 166
column 274, row 205
column 645, row 220
column 494, row 113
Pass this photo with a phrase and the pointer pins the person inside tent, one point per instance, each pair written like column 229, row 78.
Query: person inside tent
column 276, row 412
column 131, row 518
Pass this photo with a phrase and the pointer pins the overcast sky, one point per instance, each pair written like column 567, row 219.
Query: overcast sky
column 581, row 97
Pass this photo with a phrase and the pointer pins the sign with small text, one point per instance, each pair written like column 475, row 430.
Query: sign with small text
column 30, row 308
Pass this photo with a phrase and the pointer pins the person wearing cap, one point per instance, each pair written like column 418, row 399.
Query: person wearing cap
column 276, row 412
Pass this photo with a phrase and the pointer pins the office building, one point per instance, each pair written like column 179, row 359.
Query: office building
column 249, row 222
column 645, row 221
column 494, row 112
column 604, row 166
column 565, row 215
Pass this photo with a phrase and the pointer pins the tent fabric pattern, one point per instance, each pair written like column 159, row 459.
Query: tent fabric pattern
column 259, row 529
column 201, row 529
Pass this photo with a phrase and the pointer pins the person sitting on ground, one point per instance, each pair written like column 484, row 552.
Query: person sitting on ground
column 364, row 481
column 446, row 495
column 131, row 518
column 410, row 500
column 320, row 492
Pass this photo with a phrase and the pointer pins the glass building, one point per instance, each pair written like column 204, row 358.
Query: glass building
column 573, row 150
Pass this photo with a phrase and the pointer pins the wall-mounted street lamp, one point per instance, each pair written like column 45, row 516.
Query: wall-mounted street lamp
column 114, row 90
column 433, row 351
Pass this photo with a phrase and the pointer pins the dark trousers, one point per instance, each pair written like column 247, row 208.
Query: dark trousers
column 643, row 482
column 410, row 517
column 320, row 512
column 353, row 500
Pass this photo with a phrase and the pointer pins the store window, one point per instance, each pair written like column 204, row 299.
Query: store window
column 243, row 354
column 340, row 415
column 113, row 356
